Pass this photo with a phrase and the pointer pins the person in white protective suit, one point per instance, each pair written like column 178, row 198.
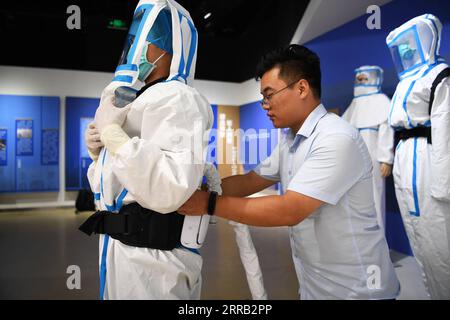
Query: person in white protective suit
column 148, row 166
column 368, row 112
column 420, row 114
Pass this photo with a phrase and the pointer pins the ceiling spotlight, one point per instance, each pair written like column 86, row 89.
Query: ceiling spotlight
column 207, row 15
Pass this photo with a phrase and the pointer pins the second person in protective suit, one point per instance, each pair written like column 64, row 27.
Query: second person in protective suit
column 420, row 114
column 368, row 113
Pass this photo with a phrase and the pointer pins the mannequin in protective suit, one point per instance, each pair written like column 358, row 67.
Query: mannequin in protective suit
column 148, row 166
column 368, row 112
column 420, row 114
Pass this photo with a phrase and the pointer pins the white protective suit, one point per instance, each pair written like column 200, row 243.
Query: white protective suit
column 422, row 170
column 158, row 167
column 250, row 261
column 368, row 112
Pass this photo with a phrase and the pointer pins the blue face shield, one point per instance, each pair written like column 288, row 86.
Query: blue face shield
column 415, row 44
column 160, row 35
column 166, row 26
column 406, row 51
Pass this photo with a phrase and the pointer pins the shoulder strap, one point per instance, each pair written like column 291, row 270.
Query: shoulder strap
column 441, row 76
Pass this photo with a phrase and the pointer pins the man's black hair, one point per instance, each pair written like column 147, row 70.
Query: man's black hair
column 295, row 62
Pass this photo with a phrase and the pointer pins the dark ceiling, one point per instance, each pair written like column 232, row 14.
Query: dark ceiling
column 231, row 39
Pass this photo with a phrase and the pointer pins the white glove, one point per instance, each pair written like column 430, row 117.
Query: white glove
column 92, row 140
column 114, row 137
column 212, row 178
column 107, row 114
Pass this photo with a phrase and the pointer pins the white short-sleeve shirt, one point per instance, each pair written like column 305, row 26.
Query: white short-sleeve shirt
column 339, row 251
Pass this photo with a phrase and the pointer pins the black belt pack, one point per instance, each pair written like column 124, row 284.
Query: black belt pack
column 418, row 132
column 423, row 131
column 138, row 227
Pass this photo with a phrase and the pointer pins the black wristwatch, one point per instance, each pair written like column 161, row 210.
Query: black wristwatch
column 212, row 202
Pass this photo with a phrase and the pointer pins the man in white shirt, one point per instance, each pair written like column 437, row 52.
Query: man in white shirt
column 325, row 170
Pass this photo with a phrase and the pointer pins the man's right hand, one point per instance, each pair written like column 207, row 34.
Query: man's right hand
column 92, row 140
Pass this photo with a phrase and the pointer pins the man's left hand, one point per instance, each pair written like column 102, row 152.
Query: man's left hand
column 197, row 205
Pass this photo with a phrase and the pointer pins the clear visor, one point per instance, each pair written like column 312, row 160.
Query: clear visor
column 160, row 33
column 137, row 19
column 406, row 51
column 369, row 78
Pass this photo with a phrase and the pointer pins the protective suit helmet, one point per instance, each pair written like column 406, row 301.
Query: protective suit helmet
column 415, row 44
column 368, row 80
column 168, row 26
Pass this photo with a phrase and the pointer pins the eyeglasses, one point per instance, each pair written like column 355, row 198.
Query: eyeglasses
column 266, row 99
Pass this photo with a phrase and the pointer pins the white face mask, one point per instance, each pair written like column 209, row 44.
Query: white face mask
column 146, row 67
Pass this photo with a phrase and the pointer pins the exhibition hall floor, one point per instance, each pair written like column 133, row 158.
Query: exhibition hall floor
column 38, row 246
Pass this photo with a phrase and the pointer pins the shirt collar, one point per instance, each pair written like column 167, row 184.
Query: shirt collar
column 148, row 85
column 308, row 125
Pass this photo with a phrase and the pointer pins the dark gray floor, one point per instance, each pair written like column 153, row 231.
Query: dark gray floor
column 37, row 247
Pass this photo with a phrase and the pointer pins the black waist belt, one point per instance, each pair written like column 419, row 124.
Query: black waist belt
column 138, row 227
column 405, row 134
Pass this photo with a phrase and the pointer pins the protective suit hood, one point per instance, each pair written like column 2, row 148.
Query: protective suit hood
column 369, row 107
column 169, row 26
column 415, row 51
column 415, row 44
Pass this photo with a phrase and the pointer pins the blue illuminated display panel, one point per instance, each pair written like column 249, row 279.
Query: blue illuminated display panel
column 29, row 143
column 79, row 113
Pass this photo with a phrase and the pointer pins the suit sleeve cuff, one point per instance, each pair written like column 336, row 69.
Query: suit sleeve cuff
column 113, row 137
